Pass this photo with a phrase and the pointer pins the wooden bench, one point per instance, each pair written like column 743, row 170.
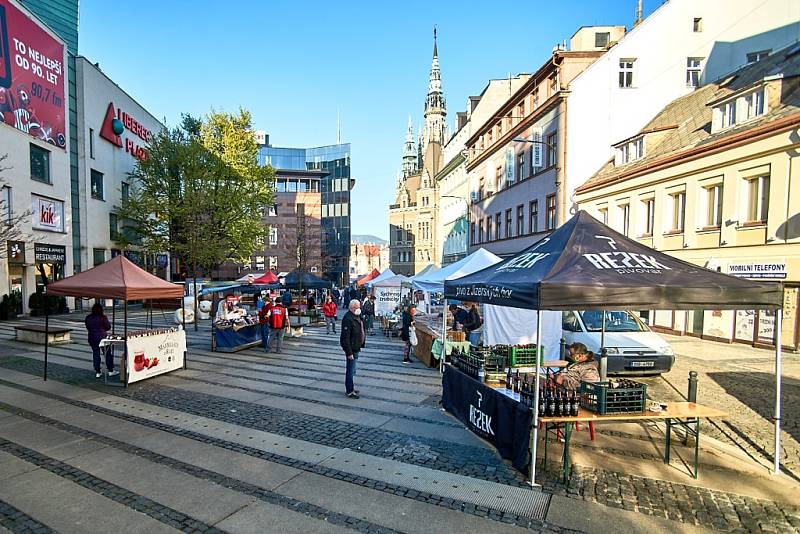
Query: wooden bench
column 34, row 333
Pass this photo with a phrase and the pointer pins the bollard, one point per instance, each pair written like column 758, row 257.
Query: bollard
column 563, row 351
column 691, row 396
column 603, row 365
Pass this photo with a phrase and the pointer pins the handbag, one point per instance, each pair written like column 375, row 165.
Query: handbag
column 412, row 337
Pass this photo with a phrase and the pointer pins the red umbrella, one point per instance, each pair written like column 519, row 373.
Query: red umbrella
column 267, row 278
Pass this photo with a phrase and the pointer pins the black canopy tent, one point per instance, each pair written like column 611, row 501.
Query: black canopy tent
column 298, row 279
column 584, row 264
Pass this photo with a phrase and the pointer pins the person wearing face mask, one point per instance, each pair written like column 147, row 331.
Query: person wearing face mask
column 352, row 340
column 329, row 311
column 405, row 332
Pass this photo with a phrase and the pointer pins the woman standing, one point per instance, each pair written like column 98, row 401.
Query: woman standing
column 97, row 326
column 405, row 332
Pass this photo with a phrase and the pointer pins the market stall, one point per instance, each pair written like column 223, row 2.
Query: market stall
column 234, row 327
column 146, row 353
column 587, row 265
column 388, row 293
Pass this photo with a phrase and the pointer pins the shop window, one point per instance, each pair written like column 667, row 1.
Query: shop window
column 96, row 184
column 40, row 164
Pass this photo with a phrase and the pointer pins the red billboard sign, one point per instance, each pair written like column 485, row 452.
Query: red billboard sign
column 32, row 73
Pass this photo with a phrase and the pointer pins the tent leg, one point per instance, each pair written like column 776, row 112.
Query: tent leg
column 603, row 360
column 444, row 336
column 125, row 351
column 778, row 338
column 183, row 318
column 535, row 443
column 46, row 333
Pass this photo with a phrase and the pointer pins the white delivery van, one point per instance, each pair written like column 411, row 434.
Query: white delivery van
column 631, row 347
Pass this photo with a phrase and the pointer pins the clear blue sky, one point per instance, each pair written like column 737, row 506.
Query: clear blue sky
column 294, row 64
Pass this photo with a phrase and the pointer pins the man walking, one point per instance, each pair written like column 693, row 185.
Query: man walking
column 329, row 311
column 278, row 323
column 369, row 313
column 352, row 340
column 263, row 320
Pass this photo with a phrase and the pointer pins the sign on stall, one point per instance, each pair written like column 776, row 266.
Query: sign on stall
column 386, row 299
column 149, row 356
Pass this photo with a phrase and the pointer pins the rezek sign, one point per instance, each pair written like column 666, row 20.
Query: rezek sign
column 118, row 122
column 480, row 420
column 625, row 262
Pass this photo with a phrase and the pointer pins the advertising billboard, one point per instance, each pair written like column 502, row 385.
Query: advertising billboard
column 32, row 76
column 48, row 214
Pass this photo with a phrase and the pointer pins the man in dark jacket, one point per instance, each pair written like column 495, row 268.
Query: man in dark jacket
column 352, row 340
column 369, row 313
column 97, row 326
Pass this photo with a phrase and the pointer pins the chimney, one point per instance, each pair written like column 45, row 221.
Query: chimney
column 638, row 13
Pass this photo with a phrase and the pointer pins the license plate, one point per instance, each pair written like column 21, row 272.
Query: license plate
column 643, row 364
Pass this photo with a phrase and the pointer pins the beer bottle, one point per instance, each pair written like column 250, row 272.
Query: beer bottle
column 573, row 408
column 508, row 380
column 551, row 404
column 542, row 402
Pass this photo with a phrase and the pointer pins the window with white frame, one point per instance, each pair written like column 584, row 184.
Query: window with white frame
column 739, row 109
column 273, row 262
column 752, row 57
column 753, row 105
column 713, row 206
column 630, row 151
column 648, row 216
column 678, row 211
column 273, row 236
column 604, row 215
column 694, row 65
column 626, row 67
column 697, row 24
column 625, row 217
column 272, row 210
column 757, row 198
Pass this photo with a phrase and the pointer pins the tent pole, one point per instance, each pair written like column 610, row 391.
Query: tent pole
column 125, row 335
column 444, row 335
column 603, row 361
column 46, row 331
column 778, row 338
column 535, row 443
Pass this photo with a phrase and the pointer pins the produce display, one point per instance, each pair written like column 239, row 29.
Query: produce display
column 241, row 322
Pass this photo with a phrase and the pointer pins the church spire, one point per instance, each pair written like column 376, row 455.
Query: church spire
column 409, row 151
column 435, row 107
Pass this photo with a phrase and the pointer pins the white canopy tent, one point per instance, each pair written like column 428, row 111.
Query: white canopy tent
column 388, row 293
column 433, row 281
column 388, row 273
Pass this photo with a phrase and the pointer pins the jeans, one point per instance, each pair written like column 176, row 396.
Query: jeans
column 407, row 351
column 330, row 322
column 277, row 334
column 350, row 373
column 368, row 319
column 265, row 336
column 96, row 351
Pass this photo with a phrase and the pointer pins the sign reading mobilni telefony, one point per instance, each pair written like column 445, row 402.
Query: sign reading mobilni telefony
column 44, row 253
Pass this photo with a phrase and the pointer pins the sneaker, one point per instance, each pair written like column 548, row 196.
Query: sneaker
column 98, row 375
column 113, row 373
column 407, row 361
column 353, row 394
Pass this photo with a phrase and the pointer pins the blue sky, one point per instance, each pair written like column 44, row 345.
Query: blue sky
column 295, row 64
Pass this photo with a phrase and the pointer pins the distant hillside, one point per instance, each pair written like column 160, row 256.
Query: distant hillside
column 368, row 239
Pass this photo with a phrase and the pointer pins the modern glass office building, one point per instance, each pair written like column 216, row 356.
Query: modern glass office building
column 335, row 188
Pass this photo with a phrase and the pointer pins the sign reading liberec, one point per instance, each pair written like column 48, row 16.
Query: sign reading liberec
column 31, row 78
column 117, row 122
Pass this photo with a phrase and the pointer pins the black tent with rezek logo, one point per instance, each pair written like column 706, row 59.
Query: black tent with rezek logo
column 584, row 264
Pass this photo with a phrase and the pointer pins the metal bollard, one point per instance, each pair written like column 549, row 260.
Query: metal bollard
column 691, row 396
column 603, row 365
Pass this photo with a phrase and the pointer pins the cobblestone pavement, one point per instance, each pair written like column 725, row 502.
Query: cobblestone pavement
column 744, row 387
column 312, row 358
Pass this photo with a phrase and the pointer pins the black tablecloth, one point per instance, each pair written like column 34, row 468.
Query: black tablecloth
column 497, row 418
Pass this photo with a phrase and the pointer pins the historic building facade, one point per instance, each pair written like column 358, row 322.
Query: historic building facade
column 413, row 216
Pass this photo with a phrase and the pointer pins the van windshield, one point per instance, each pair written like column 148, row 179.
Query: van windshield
column 616, row 321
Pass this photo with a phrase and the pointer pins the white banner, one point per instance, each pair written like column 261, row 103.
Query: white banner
column 536, row 135
column 150, row 356
column 386, row 299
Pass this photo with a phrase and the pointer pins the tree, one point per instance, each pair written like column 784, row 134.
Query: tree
column 200, row 194
column 14, row 220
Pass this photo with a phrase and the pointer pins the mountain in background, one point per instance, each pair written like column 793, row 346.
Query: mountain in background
column 368, row 239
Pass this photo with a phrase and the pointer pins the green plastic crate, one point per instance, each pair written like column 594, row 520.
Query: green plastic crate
column 520, row 357
column 602, row 399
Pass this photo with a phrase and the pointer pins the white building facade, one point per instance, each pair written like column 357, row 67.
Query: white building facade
column 682, row 44
column 106, row 160
column 35, row 147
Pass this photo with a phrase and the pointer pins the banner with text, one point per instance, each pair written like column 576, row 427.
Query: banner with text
column 31, row 78
column 150, row 356
column 386, row 299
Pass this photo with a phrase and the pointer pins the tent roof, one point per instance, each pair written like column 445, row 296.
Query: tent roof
column 267, row 278
column 586, row 265
column 388, row 273
column 367, row 277
column 244, row 278
column 393, row 281
column 434, row 280
column 309, row 281
column 118, row 278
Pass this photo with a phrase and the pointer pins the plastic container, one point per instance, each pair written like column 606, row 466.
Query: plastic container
column 525, row 357
column 601, row 398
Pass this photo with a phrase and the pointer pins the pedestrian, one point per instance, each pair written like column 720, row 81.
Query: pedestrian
column 352, row 340
column 278, row 323
column 329, row 310
column 263, row 320
column 369, row 314
column 405, row 333
column 311, row 303
column 97, row 326
column 336, row 296
column 286, row 299
column 473, row 321
column 259, row 302
column 460, row 316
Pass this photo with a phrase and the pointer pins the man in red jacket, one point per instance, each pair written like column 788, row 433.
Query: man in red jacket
column 263, row 320
column 278, row 323
column 329, row 311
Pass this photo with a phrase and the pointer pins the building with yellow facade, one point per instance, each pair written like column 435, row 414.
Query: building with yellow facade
column 714, row 179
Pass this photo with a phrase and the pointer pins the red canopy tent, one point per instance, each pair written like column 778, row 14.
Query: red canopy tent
column 267, row 278
column 118, row 278
column 367, row 277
